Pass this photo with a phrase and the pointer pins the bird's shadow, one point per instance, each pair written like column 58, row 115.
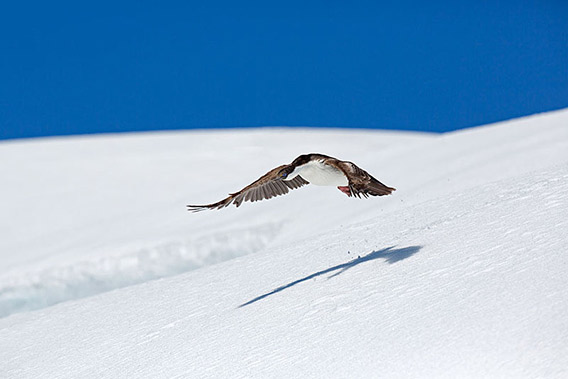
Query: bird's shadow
column 389, row 254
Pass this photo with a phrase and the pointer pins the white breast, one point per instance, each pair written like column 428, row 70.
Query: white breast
column 320, row 174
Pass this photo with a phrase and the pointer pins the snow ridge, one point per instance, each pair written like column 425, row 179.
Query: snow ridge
column 90, row 277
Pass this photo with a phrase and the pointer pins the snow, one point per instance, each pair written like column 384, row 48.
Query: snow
column 462, row 272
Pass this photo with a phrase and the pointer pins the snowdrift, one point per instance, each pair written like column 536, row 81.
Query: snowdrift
column 462, row 272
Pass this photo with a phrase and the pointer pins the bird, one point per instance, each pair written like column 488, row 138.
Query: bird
column 314, row 168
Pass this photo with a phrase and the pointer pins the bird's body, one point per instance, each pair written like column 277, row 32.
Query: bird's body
column 319, row 173
column 317, row 169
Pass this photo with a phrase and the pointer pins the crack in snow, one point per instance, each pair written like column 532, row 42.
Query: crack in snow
column 54, row 285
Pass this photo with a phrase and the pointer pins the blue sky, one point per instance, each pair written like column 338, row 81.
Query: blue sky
column 77, row 67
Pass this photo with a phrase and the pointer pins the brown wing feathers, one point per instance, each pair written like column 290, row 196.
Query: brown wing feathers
column 361, row 183
column 266, row 187
column 372, row 188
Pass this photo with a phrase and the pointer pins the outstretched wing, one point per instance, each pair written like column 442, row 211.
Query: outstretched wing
column 266, row 187
column 361, row 183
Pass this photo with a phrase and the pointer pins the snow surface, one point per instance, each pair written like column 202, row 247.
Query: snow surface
column 462, row 272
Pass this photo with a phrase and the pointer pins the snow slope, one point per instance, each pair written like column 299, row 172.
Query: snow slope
column 462, row 272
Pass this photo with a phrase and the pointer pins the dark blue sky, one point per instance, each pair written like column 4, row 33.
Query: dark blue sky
column 77, row 67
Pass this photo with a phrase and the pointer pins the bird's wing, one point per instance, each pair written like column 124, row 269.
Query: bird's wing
column 266, row 187
column 361, row 183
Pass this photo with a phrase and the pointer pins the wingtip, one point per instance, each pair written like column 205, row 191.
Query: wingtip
column 195, row 208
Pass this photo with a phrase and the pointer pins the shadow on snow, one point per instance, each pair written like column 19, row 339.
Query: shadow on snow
column 390, row 255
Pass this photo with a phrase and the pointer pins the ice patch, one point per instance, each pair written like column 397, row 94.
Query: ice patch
column 32, row 291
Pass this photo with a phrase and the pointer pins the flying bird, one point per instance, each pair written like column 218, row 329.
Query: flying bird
column 317, row 169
